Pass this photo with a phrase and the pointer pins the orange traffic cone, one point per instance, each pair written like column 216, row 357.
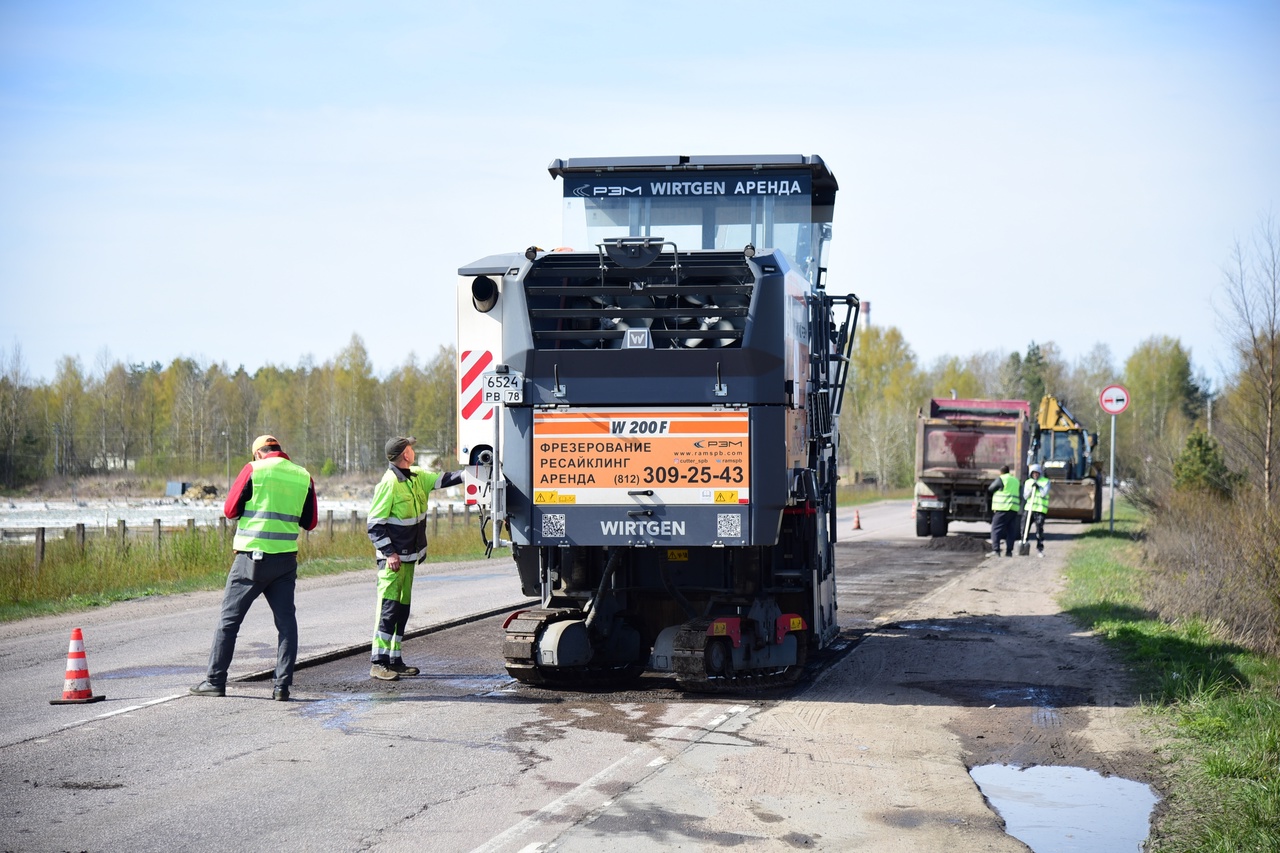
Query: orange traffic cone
column 857, row 520
column 76, row 691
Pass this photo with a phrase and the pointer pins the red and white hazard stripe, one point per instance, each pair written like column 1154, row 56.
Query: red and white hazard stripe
column 471, row 403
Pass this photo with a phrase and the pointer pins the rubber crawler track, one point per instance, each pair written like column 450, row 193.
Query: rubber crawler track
column 689, row 660
column 522, row 639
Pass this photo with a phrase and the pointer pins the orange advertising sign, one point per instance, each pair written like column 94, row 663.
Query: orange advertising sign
column 668, row 456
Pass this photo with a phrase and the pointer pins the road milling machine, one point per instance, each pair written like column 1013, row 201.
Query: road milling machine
column 648, row 418
column 1064, row 449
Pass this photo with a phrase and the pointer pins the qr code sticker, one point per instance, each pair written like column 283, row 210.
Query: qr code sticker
column 553, row 524
column 729, row 524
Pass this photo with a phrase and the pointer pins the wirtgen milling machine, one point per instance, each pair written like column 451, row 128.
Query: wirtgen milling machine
column 651, row 414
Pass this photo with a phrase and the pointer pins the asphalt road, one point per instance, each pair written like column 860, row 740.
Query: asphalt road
column 460, row 758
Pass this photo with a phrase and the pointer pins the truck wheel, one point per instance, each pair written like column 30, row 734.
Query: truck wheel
column 937, row 523
column 922, row 522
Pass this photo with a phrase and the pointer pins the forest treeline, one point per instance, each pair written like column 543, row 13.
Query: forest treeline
column 185, row 419
column 191, row 419
column 887, row 387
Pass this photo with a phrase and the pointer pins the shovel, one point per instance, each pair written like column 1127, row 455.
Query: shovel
column 1024, row 547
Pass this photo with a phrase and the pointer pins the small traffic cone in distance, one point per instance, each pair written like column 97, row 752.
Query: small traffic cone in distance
column 857, row 520
column 76, row 690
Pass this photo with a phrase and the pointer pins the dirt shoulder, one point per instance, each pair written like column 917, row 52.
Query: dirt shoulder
column 875, row 754
column 1023, row 683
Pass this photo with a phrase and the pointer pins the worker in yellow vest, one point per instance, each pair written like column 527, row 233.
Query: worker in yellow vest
column 274, row 499
column 1035, row 493
column 1004, row 511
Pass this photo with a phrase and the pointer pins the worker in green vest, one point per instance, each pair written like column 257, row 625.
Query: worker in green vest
column 273, row 499
column 398, row 528
column 1036, row 495
column 1005, row 505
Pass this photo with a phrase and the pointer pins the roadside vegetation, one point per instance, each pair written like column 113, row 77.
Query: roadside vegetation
column 186, row 561
column 1207, row 671
column 1188, row 587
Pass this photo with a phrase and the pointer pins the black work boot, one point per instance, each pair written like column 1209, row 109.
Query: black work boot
column 208, row 688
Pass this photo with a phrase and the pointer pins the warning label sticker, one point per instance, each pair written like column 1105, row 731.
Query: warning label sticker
column 668, row 456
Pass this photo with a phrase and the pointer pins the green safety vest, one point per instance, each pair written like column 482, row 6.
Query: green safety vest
column 274, row 509
column 1039, row 500
column 398, row 514
column 1006, row 500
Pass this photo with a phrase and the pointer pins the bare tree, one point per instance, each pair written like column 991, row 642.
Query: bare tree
column 13, row 405
column 885, row 442
column 100, row 392
column 1251, row 320
column 195, row 410
column 987, row 366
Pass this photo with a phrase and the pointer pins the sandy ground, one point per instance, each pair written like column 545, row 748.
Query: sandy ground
column 874, row 755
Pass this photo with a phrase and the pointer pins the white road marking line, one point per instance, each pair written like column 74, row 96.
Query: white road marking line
column 119, row 711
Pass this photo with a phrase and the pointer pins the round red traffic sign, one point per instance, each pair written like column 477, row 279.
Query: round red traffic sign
column 1114, row 399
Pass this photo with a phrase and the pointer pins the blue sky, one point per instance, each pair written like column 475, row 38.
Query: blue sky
column 252, row 183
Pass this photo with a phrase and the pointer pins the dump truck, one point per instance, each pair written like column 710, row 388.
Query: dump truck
column 1064, row 448
column 960, row 448
column 648, row 418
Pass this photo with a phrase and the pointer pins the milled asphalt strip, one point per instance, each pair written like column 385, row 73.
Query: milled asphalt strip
column 348, row 651
column 588, row 787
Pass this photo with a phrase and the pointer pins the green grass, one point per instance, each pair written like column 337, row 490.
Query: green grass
column 69, row 580
column 1215, row 705
column 860, row 495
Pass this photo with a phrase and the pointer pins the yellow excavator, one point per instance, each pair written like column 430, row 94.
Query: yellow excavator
column 1064, row 449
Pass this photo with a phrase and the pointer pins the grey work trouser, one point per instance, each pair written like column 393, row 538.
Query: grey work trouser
column 274, row 576
column 1004, row 528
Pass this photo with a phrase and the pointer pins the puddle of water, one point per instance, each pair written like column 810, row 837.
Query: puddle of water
column 1068, row 809
column 473, row 683
column 1003, row 694
column 342, row 714
column 969, row 625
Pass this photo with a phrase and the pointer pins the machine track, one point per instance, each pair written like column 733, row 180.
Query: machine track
column 689, row 659
column 519, row 649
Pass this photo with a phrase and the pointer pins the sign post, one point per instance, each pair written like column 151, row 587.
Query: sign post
column 1114, row 399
